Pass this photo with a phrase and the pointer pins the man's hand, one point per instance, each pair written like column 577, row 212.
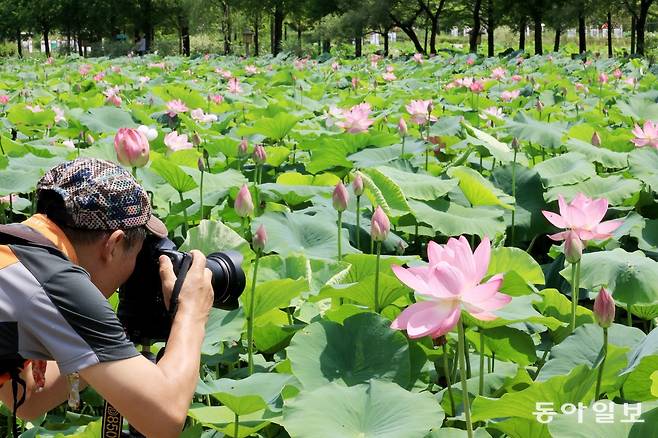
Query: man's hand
column 196, row 295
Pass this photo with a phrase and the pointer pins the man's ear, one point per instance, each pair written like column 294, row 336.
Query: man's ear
column 113, row 245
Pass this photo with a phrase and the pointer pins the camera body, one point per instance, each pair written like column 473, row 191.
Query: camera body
column 142, row 309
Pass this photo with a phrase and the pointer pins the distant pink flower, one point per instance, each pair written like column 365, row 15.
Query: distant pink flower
column 335, row 66
column 216, row 98
column 509, row 96
column 175, row 142
column 517, row 78
column 581, row 87
column 251, row 69
column 175, row 107
column 8, row 199
column 630, row 81
column 157, row 65
column 143, row 80
column 99, row 76
column 59, row 114
column 450, row 283
column 648, row 136
column 374, row 59
column 402, row 127
column 243, row 146
column 389, row 76
column 492, row 112
column 477, row 86
column 50, row 60
column 355, row 82
column 418, row 58
column 464, row 82
column 617, row 73
column 498, row 73
column 84, row 69
column 34, row 108
column 234, row 86
column 200, row 116
column 389, row 69
column 603, row 78
column 4, row 99
column 420, row 111
column 470, row 61
column 356, row 119
column 582, row 216
column 112, row 96
column 116, row 69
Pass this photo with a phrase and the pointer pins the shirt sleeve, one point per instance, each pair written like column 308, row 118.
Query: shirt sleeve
column 75, row 324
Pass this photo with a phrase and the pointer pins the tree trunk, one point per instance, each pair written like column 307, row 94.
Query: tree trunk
column 408, row 28
column 434, row 18
column 475, row 32
column 609, row 34
column 539, row 49
column 256, row 43
column 385, row 34
column 80, row 52
column 299, row 37
column 358, row 45
column 491, row 27
column 633, row 31
column 326, row 46
column 556, row 44
column 278, row 28
column 19, row 43
column 186, row 40
column 227, row 29
column 522, row 27
column 68, row 42
column 641, row 25
column 46, row 42
column 582, row 33
column 427, row 34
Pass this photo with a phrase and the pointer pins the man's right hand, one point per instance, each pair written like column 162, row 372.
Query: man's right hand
column 196, row 295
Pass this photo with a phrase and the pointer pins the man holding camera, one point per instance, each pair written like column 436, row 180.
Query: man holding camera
column 55, row 278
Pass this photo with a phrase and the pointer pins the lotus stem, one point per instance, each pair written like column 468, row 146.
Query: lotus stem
column 605, row 354
column 575, row 289
column 446, row 370
column 462, row 372
column 629, row 315
column 250, row 318
column 201, row 195
column 513, row 194
column 340, row 226
column 237, row 426
column 481, row 383
column 358, row 220
column 180, row 195
column 379, row 251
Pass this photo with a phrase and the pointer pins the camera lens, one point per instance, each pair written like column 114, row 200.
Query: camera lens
column 228, row 279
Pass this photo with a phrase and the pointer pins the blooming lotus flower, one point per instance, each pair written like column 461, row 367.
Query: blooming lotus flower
column 492, row 112
column 517, row 78
column 112, row 96
column 251, row 69
column 335, row 66
column 604, row 308
column 299, row 64
column 175, row 142
column 116, row 69
column 332, row 116
column 498, row 73
column 216, row 98
column 84, row 69
column 477, row 86
column 470, row 61
column 420, row 111
column 202, row 117
column 157, row 65
column 509, row 96
column 150, row 133
column 59, row 114
column 581, row 87
column 450, row 283
column 379, row 225
column 630, row 81
column 603, row 78
column 244, row 205
column 132, row 147
column 647, row 136
column 340, row 197
column 374, row 59
column 260, row 239
column 34, row 108
column 175, row 107
column 4, row 99
column 234, row 86
column 582, row 216
column 356, row 119
column 389, row 77
column 418, row 58
column 617, row 73
column 99, row 76
column 50, row 60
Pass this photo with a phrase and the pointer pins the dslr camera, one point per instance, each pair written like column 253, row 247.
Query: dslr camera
column 142, row 309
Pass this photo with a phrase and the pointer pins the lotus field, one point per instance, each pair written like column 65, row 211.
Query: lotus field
column 434, row 247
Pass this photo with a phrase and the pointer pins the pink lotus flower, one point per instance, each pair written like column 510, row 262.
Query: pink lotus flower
column 603, row 78
column 379, row 225
column 340, row 197
column 99, row 76
column 582, row 216
column 581, row 87
column 200, row 116
column 517, row 78
column 175, row 142
column 477, row 86
column 251, row 69
column 509, row 96
column 355, row 82
column 418, row 58
column 402, row 127
column 234, row 86
column 34, row 108
column 157, row 65
column 59, row 114
column 132, row 147
column 470, row 61
column 374, row 59
column 420, row 111
column 356, row 119
column 50, row 60
column 243, row 147
column 452, row 281
column 299, row 64
column 244, row 205
column 498, row 73
column 630, row 81
column 84, row 69
column 490, row 112
column 4, row 99
column 604, row 308
column 112, row 96
column 116, row 69
column 335, row 66
column 260, row 155
column 8, row 199
column 596, row 139
column 617, row 73
column 216, row 98
column 260, row 239
column 389, row 77
column 357, row 184
column 648, row 136
column 175, row 107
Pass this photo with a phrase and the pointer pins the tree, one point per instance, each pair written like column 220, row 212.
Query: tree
column 42, row 16
column 639, row 13
column 433, row 10
column 477, row 27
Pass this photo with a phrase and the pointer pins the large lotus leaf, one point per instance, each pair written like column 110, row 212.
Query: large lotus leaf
column 640, row 384
column 607, row 158
column 504, row 260
column 577, row 386
column 569, row 168
column 631, row 277
column 558, row 306
column 614, row 188
column 106, row 119
column 364, row 265
column 646, row 233
column 543, row 133
column 314, row 236
column 372, row 157
column 316, row 272
column 29, row 121
column 363, row 348
column 521, row 428
column 212, row 236
column 272, row 294
column 248, row 395
column 417, row 185
column 477, row 189
column 639, row 108
column 329, row 155
column 363, row 292
column 12, row 181
column 509, row 344
column 221, row 418
column 496, row 148
column 648, row 347
column 373, row 410
column 451, row 432
column 451, row 219
column 593, row 422
column 385, row 192
column 173, row 174
column 222, row 325
column 643, row 164
column 275, row 128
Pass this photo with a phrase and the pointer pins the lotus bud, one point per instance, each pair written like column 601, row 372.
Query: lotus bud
column 244, row 205
column 242, row 147
column 200, row 165
column 539, row 105
column 196, row 139
column 515, row 144
column 604, row 308
column 260, row 156
column 401, row 247
column 402, row 127
column 340, row 197
column 596, row 139
column 89, row 139
column 380, row 225
column 132, row 147
column 573, row 248
column 260, row 239
column 357, row 184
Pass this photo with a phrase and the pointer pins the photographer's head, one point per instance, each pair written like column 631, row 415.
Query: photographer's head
column 104, row 213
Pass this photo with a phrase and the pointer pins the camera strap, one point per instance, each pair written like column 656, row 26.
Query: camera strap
column 182, row 273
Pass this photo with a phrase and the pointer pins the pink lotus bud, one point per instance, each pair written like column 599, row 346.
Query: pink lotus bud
column 196, row 139
column 132, row 147
column 340, row 197
column 617, row 73
column 380, row 225
column 402, row 127
column 596, row 139
column 260, row 239
column 4, row 99
column 573, row 247
column 260, row 156
column 603, row 78
column 243, row 146
column 357, row 184
column 604, row 308
column 200, row 165
column 539, row 105
column 244, row 205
